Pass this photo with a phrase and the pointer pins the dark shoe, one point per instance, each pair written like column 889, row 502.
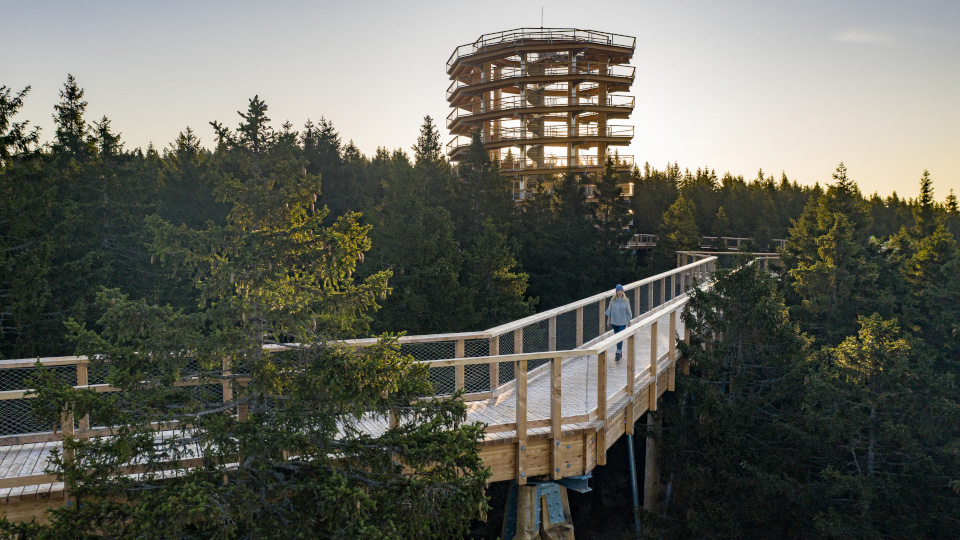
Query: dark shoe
column 617, row 358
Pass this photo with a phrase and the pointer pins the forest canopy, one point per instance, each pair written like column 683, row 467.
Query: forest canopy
column 823, row 402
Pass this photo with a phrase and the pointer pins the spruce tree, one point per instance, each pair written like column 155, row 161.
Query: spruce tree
column 832, row 268
column 924, row 210
column 678, row 232
column 729, row 441
column 14, row 136
column 285, row 454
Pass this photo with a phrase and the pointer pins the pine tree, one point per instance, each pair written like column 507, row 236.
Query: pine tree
column 729, row 442
column 429, row 161
column 494, row 279
column 880, row 437
column 612, row 210
column 924, row 211
column 678, row 232
column 482, row 192
column 285, row 456
column 416, row 241
column 953, row 214
column 831, row 267
column 73, row 132
column 14, row 137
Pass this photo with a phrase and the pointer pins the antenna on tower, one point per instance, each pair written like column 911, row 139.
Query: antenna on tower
column 541, row 16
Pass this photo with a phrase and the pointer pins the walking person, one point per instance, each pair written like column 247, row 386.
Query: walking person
column 619, row 315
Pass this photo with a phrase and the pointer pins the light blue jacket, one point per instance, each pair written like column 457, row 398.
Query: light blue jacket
column 618, row 311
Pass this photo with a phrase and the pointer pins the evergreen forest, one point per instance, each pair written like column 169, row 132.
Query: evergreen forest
column 823, row 400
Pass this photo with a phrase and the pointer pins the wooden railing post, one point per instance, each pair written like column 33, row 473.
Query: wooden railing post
column 649, row 296
column 653, row 366
column 663, row 290
column 579, row 326
column 521, row 406
column 460, row 370
column 636, row 301
column 518, row 341
column 552, row 334
column 631, row 384
column 672, row 352
column 66, row 437
column 225, row 380
column 83, row 380
column 556, row 418
column 602, row 407
column 494, row 366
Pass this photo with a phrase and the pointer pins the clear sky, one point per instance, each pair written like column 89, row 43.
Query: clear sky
column 791, row 87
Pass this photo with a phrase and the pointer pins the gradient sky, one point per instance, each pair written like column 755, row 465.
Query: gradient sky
column 793, row 87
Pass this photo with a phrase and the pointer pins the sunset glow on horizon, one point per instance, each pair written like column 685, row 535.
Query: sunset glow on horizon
column 733, row 86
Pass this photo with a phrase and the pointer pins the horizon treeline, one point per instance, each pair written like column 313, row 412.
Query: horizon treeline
column 462, row 254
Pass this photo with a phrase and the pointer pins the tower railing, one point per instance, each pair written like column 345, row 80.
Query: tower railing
column 516, row 102
column 520, row 36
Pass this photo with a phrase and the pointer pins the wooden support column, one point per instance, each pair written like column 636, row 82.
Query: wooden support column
column 562, row 530
column 651, row 472
column 83, row 380
column 552, row 334
column 494, row 366
column 685, row 362
column 556, row 418
column 672, row 351
column 631, row 384
column 460, row 370
column 653, row 367
column 520, row 369
column 602, row 407
column 526, row 512
column 579, row 326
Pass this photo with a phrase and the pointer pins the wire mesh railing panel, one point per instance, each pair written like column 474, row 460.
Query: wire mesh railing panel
column 16, row 417
column 433, row 350
column 207, row 393
column 591, row 320
column 443, row 380
column 538, row 399
column 476, row 378
column 534, row 364
column 19, row 378
column 567, row 330
column 506, row 343
column 536, row 336
column 641, row 354
column 505, row 372
column 476, row 347
column 589, row 389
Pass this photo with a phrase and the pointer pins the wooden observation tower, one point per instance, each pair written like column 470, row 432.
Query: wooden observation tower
column 543, row 100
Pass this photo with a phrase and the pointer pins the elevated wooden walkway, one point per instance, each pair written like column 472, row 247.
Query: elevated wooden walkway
column 548, row 387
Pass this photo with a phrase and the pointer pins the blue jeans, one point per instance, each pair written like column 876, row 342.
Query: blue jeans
column 617, row 328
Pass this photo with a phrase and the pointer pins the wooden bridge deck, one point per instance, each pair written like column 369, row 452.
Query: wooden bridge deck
column 543, row 417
